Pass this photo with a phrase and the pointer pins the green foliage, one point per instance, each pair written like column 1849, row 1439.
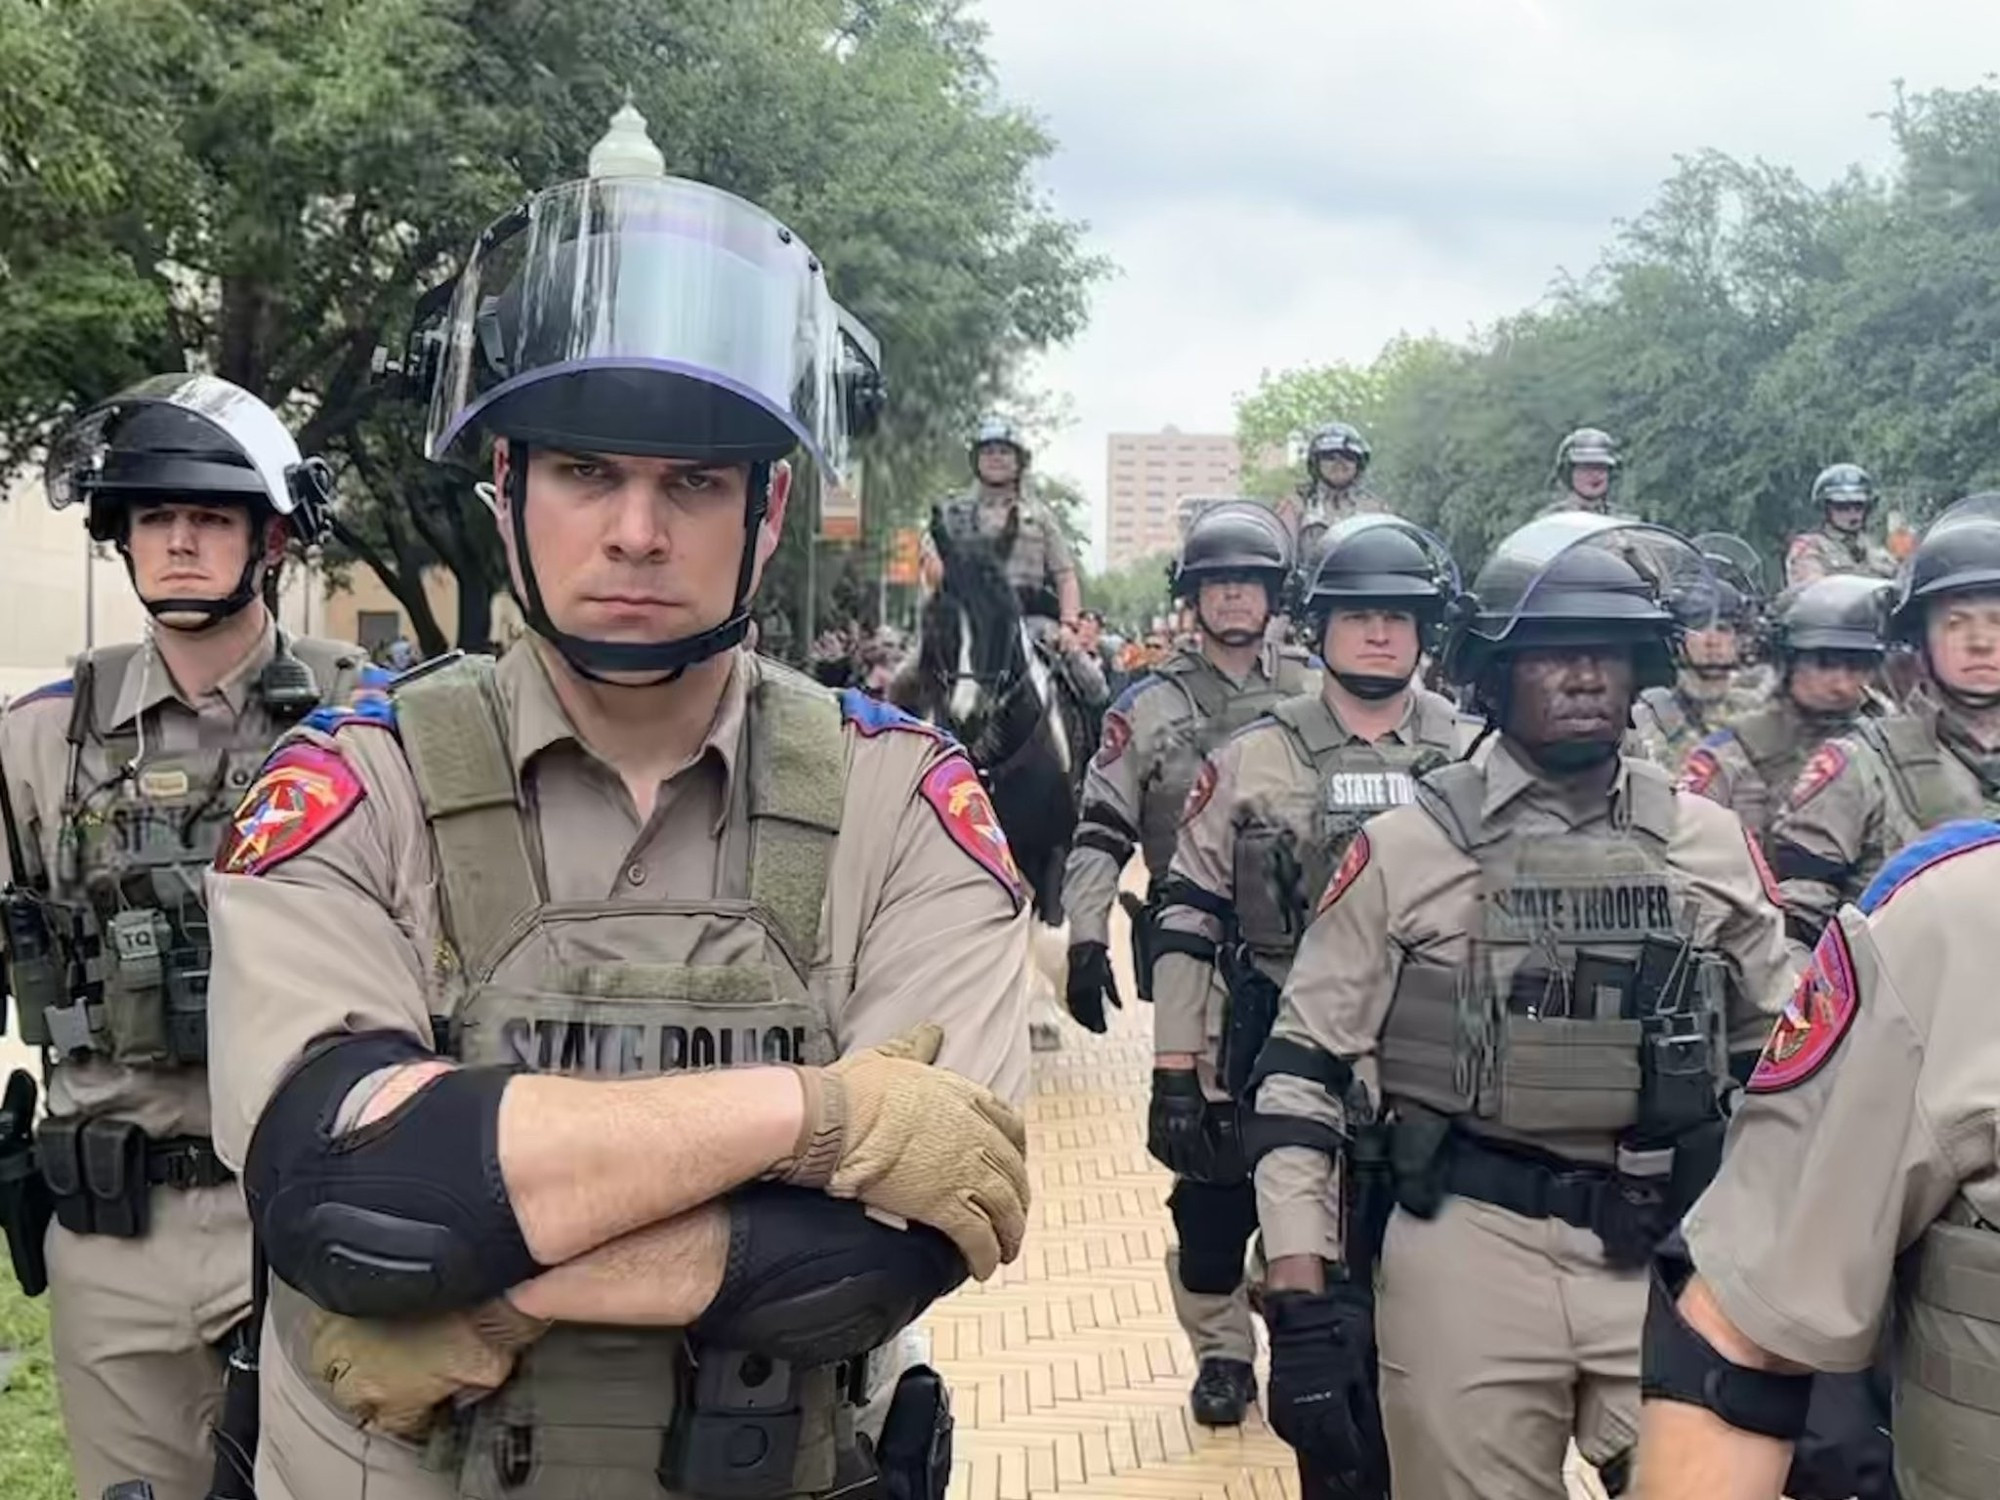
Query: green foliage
column 1742, row 333
column 1285, row 410
column 266, row 186
column 1129, row 597
column 33, row 1456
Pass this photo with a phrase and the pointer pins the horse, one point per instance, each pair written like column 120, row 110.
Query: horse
column 978, row 673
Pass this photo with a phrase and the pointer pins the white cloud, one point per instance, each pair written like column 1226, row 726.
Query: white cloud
column 1282, row 181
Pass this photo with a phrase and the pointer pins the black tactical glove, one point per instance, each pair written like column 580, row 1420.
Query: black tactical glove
column 1322, row 1397
column 1090, row 985
column 1177, row 1124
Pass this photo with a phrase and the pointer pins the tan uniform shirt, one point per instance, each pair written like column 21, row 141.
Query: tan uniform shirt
column 1419, row 892
column 1256, row 776
column 1826, row 1181
column 346, row 935
column 1845, row 816
column 1138, row 782
column 1750, row 765
column 35, row 751
column 1824, row 553
column 1667, row 723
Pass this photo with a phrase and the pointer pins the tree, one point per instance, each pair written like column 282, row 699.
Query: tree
column 1129, row 597
column 1285, row 410
column 266, row 186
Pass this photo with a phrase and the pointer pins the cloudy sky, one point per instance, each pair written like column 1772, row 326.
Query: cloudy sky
column 1289, row 181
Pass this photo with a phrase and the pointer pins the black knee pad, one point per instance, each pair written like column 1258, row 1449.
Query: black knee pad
column 409, row 1214
column 1214, row 1225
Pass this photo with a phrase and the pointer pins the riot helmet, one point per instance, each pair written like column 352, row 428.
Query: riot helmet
column 658, row 317
column 1571, row 579
column 1235, row 539
column 1843, row 484
column 1380, row 562
column 1337, row 440
column 1843, row 612
column 1586, row 445
column 191, row 438
column 997, row 430
column 1959, row 554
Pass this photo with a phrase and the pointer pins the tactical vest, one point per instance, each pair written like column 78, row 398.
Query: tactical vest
column 1919, row 779
column 1285, row 857
column 1777, row 742
column 1540, row 1030
column 626, row 988
column 129, row 934
column 1947, row 1421
column 1218, row 709
column 1668, row 712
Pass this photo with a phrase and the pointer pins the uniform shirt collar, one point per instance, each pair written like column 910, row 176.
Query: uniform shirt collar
column 147, row 682
column 1510, row 775
column 1265, row 666
column 536, row 720
column 1404, row 733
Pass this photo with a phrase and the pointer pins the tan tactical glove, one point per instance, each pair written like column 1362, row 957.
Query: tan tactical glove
column 391, row 1377
column 887, row 1127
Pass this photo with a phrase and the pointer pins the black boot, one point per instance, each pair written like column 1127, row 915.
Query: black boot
column 1223, row 1391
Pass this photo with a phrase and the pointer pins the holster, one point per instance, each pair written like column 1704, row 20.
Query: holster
column 915, row 1452
column 1417, row 1140
column 738, row 1438
column 236, row 1431
column 25, row 1204
column 1371, row 1197
column 1248, row 1017
column 1142, row 915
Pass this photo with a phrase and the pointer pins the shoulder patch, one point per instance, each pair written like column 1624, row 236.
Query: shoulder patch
column 873, row 716
column 1117, row 735
column 1762, row 866
column 1352, row 863
column 1802, row 544
column 369, row 707
column 1934, row 848
column 64, row 689
column 1699, row 770
column 957, row 796
column 1200, row 792
column 1827, row 762
column 303, row 792
column 1130, row 696
column 1816, row 1018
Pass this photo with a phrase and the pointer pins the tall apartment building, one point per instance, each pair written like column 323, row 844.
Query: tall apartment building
column 1148, row 474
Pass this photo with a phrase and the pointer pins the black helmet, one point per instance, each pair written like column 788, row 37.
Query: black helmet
column 1384, row 562
column 1236, row 536
column 1337, row 440
column 192, row 438
column 1959, row 553
column 655, row 316
column 996, row 429
column 1842, row 612
column 1587, row 445
column 1710, row 603
column 1573, row 579
column 1843, row 484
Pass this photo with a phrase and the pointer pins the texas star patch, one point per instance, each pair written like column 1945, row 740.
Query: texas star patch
column 1819, row 1014
column 1352, row 864
column 304, row 791
column 1827, row 762
column 955, row 794
column 1199, row 793
column 1117, row 735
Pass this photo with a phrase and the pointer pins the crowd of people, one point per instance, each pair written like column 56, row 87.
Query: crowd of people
column 565, row 1077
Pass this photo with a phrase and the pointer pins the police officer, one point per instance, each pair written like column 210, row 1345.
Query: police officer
column 1233, row 566
column 1845, row 498
column 1857, row 1202
column 119, row 783
column 1265, row 823
column 1828, row 642
column 1536, row 974
column 1668, row 721
column 1862, row 797
column 568, row 1010
column 1337, row 458
column 1587, row 462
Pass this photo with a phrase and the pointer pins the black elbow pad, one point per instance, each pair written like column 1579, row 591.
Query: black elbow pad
column 815, row 1280
column 1677, row 1364
column 405, row 1216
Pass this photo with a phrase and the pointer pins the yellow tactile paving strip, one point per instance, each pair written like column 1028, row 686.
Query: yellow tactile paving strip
column 1069, row 1373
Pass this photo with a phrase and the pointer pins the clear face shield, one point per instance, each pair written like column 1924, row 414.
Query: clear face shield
column 654, row 317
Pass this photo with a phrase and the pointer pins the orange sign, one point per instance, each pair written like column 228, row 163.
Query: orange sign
column 905, row 548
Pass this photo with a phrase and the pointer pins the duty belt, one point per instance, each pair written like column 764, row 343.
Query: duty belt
column 1531, row 1186
column 185, row 1162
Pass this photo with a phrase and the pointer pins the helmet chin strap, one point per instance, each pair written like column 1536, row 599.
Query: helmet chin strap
column 1565, row 757
column 668, row 659
column 1369, row 688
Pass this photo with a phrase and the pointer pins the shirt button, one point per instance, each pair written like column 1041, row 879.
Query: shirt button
column 635, row 873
